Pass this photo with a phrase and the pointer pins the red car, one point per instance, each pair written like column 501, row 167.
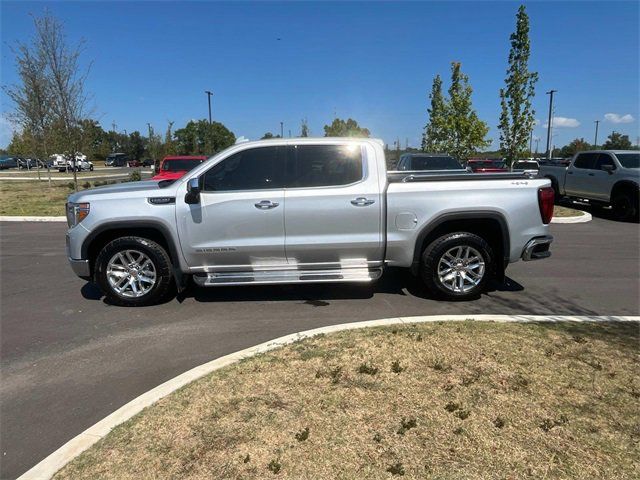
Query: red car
column 482, row 165
column 174, row 167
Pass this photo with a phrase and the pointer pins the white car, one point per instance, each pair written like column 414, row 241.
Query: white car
column 63, row 164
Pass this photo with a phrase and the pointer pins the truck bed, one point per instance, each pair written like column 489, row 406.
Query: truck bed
column 395, row 176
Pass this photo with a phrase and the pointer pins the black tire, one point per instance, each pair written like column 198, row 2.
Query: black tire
column 437, row 249
column 625, row 206
column 91, row 168
column 160, row 262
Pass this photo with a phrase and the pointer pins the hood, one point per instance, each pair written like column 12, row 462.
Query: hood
column 128, row 188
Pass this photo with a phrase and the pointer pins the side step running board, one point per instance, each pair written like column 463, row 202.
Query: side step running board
column 288, row 276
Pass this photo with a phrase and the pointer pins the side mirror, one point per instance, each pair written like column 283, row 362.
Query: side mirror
column 608, row 168
column 193, row 191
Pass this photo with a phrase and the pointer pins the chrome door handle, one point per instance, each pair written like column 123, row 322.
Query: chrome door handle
column 362, row 202
column 266, row 204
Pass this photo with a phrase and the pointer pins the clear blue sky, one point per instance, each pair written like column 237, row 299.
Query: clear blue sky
column 370, row 61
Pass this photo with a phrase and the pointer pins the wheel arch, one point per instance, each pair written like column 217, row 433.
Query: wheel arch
column 105, row 233
column 490, row 225
column 622, row 185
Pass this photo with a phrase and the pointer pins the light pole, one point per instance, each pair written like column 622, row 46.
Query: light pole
column 209, row 100
column 550, row 93
column 281, row 129
column 537, row 141
column 595, row 141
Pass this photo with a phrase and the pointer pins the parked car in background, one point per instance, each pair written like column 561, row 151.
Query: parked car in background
column 603, row 177
column 116, row 160
column 305, row 210
column 29, row 163
column 487, row 165
column 7, row 162
column 140, row 163
column 527, row 166
column 176, row 166
column 428, row 161
column 64, row 164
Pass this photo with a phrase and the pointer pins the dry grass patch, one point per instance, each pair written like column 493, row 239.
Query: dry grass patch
column 33, row 198
column 559, row 211
column 449, row 400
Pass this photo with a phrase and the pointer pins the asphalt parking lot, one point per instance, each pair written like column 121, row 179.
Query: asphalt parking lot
column 69, row 359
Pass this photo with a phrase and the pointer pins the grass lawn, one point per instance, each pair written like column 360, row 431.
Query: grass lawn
column 449, row 400
column 33, row 198
column 559, row 211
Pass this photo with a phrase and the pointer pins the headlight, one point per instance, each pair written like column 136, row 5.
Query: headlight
column 76, row 212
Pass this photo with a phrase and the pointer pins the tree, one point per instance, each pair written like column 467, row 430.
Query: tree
column 340, row 128
column 466, row 132
column 576, row 145
column 269, row 135
column 617, row 141
column 517, row 114
column 32, row 98
column 169, row 147
column 435, row 132
column 64, row 80
column 203, row 138
column 304, row 128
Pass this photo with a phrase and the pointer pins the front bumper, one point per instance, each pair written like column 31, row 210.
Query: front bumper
column 537, row 248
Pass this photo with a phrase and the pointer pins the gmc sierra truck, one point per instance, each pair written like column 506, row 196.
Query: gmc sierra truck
column 304, row 211
column 603, row 177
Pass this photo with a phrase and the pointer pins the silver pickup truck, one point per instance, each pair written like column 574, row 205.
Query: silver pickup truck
column 603, row 177
column 305, row 211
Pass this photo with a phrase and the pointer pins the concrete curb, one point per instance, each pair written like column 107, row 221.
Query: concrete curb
column 584, row 218
column 12, row 218
column 74, row 447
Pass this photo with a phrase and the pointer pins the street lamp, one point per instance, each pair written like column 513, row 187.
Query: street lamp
column 595, row 141
column 281, row 129
column 550, row 93
column 209, row 100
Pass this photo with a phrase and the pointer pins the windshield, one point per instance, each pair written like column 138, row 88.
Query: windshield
column 526, row 165
column 179, row 165
column 434, row 163
column 629, row 160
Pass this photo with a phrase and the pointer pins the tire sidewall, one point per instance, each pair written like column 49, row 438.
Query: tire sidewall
column 155, row 253
column 631, row 210
column 434, row 252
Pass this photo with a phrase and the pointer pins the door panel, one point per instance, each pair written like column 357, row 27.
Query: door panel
column 226, row 230
column 239, row 222
column 332, row 226
column 580, row 175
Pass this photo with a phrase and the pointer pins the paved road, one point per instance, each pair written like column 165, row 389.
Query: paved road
column 69, row 359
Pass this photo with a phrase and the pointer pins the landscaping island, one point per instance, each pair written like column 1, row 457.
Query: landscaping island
column 469, row 400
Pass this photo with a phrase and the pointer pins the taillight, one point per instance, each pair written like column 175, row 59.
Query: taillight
column 546, row 197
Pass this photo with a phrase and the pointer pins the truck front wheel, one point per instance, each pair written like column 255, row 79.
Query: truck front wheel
column 133, row 272
column 457, row 265
column 625, row 205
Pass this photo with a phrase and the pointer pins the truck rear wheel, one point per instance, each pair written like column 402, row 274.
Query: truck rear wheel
column 133, row 272
column 457, row 265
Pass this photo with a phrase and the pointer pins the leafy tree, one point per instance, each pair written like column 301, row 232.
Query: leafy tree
column 304, row 128
column 203, row 138
column 617, row 141
column 169, row 146
column 340, row 128
column 576, row 145
column 517, row 114
column 269, row 135
column 466, row 132
column 435, row 132
column 136, row 145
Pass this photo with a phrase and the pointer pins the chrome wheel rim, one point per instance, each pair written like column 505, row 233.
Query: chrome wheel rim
column 131, row 273
column 461, row 269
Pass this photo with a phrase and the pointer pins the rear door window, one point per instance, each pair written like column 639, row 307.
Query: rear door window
column 604, row 159
column 324, row 165
column 586, row 160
